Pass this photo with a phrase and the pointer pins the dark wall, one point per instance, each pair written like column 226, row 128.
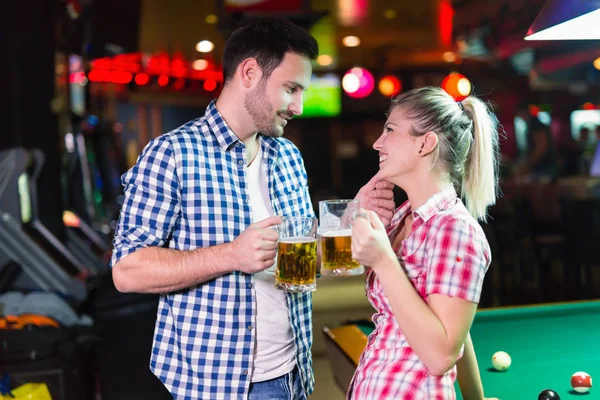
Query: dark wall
column 27, row 48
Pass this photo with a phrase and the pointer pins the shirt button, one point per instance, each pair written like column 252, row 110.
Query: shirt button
column 240, row 162
column 245, row 372
column 250, row 327
column 246, row 201
column 250, row 285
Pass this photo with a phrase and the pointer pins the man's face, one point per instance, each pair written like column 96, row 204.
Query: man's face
column 278, row 98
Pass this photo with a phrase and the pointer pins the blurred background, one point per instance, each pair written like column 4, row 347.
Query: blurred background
column 88, row 83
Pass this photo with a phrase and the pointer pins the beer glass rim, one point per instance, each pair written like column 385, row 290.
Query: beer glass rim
column 285, row 218
column 338, row 201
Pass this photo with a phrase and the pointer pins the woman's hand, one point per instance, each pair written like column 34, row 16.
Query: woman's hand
column 370, row 243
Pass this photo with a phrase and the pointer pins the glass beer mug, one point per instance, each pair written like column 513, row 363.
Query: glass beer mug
column 336, row 237
column 296, row 269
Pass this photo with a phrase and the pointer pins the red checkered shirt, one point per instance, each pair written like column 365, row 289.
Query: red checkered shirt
column 446, row 253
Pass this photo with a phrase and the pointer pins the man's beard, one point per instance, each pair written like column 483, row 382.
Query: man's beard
column 261, row 110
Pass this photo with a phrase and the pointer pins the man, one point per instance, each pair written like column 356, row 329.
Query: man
column 540, row 160
column 195, row 227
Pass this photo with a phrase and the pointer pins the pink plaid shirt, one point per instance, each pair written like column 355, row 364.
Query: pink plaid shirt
column 446, row 253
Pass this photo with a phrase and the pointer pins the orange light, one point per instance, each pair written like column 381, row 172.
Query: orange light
column 588, row 106
column 389, row 85
column 142, row 79
column 70, row 219
column 163, row 80
column 534, row 110
column 210, row 85
column 597, row 63
column 457, row 85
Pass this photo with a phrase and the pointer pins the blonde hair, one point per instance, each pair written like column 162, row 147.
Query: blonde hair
column 467, row 142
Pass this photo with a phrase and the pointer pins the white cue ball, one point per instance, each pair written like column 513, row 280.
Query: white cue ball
column 501, row 360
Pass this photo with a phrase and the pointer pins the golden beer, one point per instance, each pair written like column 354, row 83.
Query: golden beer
column 296, row 264
column 336, row 254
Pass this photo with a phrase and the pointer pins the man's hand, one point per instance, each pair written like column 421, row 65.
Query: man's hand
column 378, row 196
column 256, row 247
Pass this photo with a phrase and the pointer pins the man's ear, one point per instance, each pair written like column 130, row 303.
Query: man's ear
column 250, row 72
column 429, row 142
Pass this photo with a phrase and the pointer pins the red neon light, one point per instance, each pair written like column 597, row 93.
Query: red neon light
column 163, row 80
column 179, row 84
column 141, row 67
column 77, row 77
column 142, row 79
column 98, row 75
column 210, row 85
column 121, row 77
column 445, row 22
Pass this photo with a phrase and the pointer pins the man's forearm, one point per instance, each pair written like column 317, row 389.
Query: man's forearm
column 468, row 375
column 160, row 270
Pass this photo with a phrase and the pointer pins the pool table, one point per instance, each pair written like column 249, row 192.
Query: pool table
column 547, row 344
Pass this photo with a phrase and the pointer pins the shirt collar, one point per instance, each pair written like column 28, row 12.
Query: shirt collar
column 225, row 135
column 438, row 202
column 218, row 126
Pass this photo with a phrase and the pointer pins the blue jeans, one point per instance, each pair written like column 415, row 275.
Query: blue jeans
column 285, row 387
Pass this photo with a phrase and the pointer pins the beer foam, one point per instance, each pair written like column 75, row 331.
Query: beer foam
column 303, row 239
column 338, row 233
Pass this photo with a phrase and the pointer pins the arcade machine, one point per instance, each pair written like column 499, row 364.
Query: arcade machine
column 31, row 257
column 36, row 345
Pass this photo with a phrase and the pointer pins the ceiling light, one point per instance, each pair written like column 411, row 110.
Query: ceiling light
column 389, row 14
column 324, row 60
column 205, row 46
column 351, row 41
column 566, row 20
column 449, row 56
column 200, row 65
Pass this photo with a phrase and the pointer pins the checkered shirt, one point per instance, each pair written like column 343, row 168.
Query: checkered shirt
column 446, row 253
column 189, row 190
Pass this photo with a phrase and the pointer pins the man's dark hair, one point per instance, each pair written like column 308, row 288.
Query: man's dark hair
column 267, row 41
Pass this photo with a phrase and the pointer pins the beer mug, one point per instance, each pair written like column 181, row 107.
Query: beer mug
column 336, row 237
column 297, row 255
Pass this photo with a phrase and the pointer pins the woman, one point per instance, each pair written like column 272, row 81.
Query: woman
column 427, row 268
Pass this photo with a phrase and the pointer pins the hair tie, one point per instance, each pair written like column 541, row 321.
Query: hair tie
column 460, row 105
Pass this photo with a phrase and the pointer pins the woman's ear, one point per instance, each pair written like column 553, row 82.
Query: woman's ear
column 429, row 142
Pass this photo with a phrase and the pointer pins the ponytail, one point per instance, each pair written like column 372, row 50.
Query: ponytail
column 467, row 142
column 480, row 182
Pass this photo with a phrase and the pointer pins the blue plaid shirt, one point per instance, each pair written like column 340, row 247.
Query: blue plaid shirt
column 188, row 190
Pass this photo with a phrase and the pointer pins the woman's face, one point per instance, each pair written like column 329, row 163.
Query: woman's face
column 398, row 149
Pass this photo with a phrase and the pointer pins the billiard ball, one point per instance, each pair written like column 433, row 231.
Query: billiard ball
column 548, row 395
column 501, row 360
column 581, row 382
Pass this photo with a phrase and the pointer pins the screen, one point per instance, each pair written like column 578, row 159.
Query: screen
column 584, row 119
column 323, row 97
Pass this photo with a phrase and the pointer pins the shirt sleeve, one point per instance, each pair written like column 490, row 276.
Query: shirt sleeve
column 151, row 201
column 458, row 261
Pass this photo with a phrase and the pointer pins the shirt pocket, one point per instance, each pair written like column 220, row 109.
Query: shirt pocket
column 292, row 201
